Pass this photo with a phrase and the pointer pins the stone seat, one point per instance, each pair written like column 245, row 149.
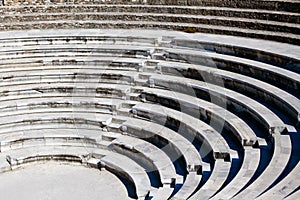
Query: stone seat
column 251, row 155
column 199, row 108
column 189, row 186
column 175, row 9
column 286, row 186
column 264, row 72
column 187, row 126
column 222, row 44
column 91, row 63
column 69, row 72
column 42, row 110
column 72, row 62
column 221, row 96
column 215, row 181
column 56, row 129
column 68, row 76
column 52, row 130
column 64, row 57
column 293, row 196
column 82, row 42
column 174, row 145
column 97, row 103
column 258, row 69
column 163, row 193
column 67, row 92
column 125, row 167
column 246, row 172
column 62, row 51
column 204, row 28
column 244, row 84
column 147, row 155
column 255, row 24
column 42, row 153
column 288, row 6
column 92, row 118
column 281, row 155
column 38, row 140
column 268, row 52
column 63, row 38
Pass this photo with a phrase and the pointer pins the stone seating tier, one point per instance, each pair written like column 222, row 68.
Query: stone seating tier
column 188, row 27
column 289, row 5
column 255, row 13
column 110, row 98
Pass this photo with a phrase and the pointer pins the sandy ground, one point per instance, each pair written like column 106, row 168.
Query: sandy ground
column 56, row 181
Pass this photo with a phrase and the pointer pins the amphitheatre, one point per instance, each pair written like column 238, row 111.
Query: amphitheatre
column 150, row 99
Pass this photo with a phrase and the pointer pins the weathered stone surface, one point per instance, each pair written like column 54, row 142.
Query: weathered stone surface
column 173, row 113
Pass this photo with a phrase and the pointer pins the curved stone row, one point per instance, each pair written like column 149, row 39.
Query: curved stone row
column 260, row 21
column 176, row 120
column 287, row 5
